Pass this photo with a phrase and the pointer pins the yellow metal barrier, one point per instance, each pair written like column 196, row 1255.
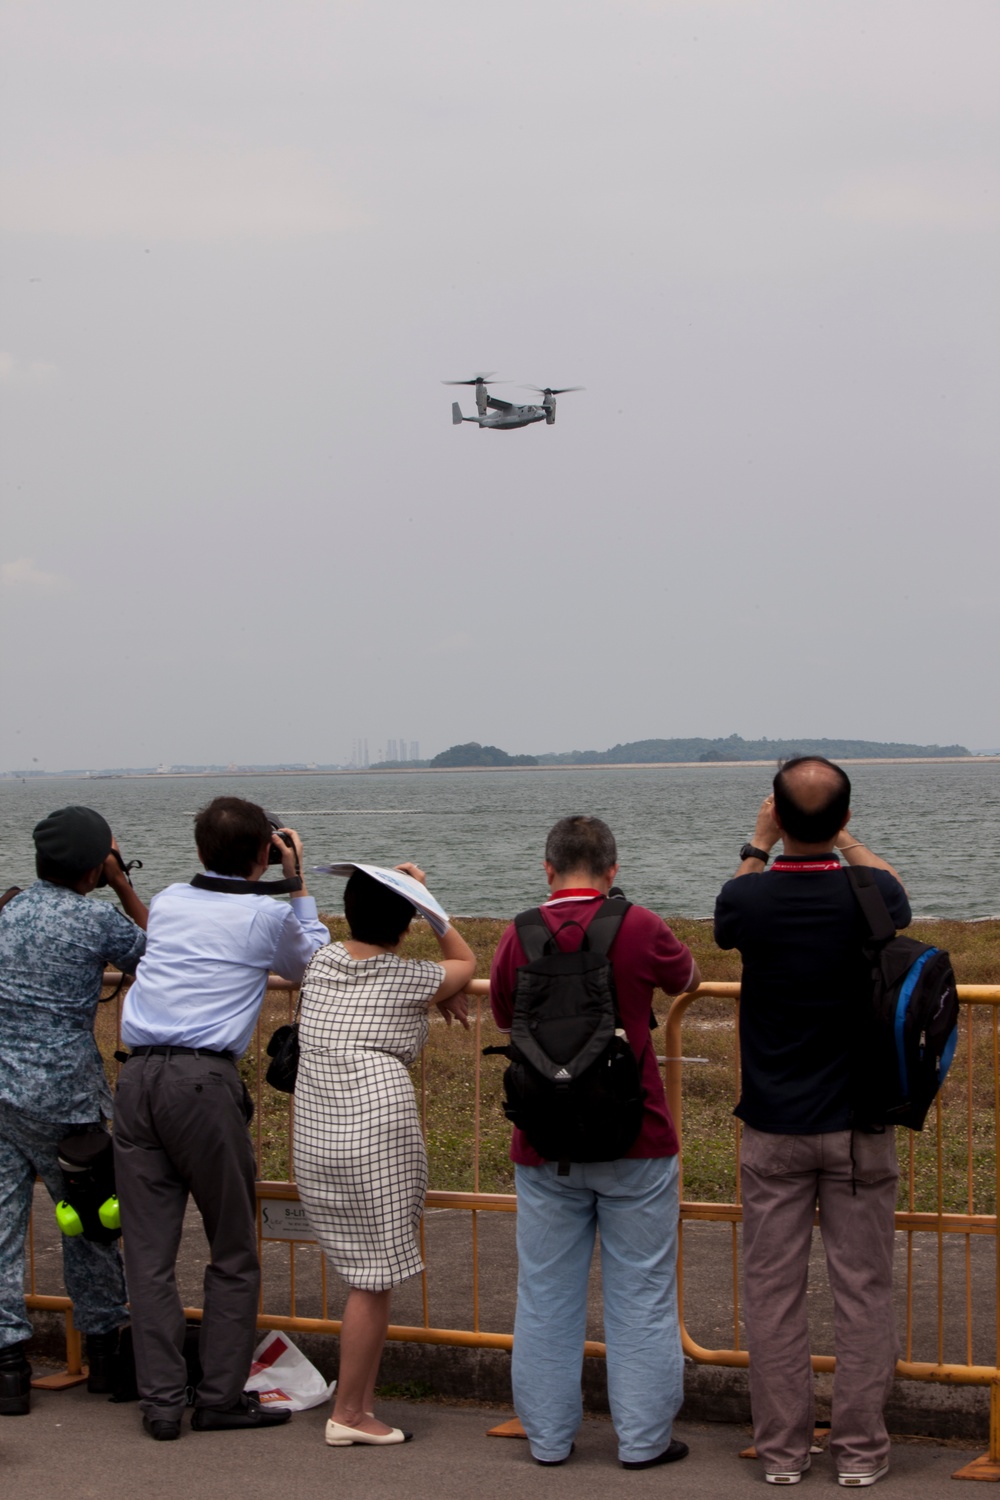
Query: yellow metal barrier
column 981, row 1003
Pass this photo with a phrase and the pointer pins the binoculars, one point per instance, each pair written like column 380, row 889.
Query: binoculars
column 89, row 1205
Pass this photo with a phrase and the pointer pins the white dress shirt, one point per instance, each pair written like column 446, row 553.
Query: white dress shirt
column 202, row 978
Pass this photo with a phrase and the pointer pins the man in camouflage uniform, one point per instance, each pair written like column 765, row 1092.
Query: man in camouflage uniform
column 54, row 944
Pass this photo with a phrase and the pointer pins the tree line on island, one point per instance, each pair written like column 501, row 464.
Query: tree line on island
column 732, row 748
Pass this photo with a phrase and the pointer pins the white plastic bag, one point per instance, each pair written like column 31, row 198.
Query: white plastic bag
column 282, row 1378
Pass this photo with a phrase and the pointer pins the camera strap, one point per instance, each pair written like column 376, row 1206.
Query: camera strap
column 248, row 887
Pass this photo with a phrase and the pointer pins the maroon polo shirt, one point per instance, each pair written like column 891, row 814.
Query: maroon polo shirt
column 645, row 956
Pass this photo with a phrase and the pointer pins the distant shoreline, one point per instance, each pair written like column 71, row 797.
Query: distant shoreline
column 659, row 765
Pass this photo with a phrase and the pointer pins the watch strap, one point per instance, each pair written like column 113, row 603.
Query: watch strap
column 750, row 851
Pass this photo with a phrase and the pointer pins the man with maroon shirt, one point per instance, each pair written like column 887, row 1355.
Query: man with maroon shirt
column 634, row 1200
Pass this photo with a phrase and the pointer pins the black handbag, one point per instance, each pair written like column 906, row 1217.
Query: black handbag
column 283, row 1050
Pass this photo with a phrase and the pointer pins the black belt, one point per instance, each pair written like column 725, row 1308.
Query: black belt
column 183, row 1051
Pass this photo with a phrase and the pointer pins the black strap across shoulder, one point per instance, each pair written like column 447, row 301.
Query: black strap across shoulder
column 537, row 938
column 9, row 894
column 872, row 903
column 247, row 887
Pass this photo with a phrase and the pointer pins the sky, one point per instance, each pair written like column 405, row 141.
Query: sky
column 243, row 245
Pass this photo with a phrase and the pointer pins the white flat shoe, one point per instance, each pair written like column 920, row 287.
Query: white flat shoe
column 339, row 1436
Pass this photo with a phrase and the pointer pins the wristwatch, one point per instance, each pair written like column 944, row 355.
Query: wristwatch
column 750, row 851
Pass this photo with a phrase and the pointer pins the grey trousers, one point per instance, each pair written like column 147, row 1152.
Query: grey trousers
column 180, row 1128
column 783, row 1177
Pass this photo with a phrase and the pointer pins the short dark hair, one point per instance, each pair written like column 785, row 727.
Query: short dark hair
column 230, row 834
column 821, row 824
column 58, row 873
column 581, row 843
column 375, row 914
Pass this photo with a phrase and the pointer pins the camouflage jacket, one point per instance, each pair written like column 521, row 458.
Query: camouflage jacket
column 54, row 945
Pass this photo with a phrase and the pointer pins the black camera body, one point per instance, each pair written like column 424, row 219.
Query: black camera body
column 274, row 853
column 133, row 864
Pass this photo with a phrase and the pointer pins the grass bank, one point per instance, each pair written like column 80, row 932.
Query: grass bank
column 710, row 1082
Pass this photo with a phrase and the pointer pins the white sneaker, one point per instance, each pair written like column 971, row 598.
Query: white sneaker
column 870, row 1478
column 788, row 1476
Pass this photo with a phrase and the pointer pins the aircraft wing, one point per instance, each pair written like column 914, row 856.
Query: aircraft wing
column 498, row 405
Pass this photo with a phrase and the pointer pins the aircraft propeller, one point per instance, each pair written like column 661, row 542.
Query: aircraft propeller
column 548, row 390
column 483, row 375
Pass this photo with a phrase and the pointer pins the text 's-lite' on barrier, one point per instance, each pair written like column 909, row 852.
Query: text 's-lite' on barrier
column 950, row 1190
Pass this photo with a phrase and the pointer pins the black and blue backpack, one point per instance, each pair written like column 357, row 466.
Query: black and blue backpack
column 908, row 1044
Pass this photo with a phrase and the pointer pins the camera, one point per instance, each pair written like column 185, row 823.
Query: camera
column 133, row 864
column 273, row 853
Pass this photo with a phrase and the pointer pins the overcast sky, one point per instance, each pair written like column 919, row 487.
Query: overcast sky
column 244, row 244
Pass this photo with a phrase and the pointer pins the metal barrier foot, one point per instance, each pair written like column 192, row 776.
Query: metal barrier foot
column 980, row 1468
column 508, row 1429
column 988, row 1466
column 76, row 1371
column 61, row 1381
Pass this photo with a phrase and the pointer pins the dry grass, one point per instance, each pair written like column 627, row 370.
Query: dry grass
column 710, row 1088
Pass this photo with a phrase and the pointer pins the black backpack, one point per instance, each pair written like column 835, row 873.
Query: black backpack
column 573, row 1085
column 904, row 1057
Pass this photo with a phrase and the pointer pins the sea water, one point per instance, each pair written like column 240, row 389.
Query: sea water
column 480, row 835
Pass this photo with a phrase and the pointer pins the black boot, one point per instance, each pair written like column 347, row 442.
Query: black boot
column 15, row 1381
column 102, row 1362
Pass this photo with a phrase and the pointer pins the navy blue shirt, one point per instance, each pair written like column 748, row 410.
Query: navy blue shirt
column 805, row 992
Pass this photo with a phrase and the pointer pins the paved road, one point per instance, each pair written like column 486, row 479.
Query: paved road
column 79, row 1447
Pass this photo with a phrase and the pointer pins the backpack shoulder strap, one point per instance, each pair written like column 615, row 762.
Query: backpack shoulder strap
column 872, row 903
column 603, row 928
column 8, row 895
column 533, row 933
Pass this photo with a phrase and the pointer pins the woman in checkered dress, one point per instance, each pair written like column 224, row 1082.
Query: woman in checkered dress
column 360, row 1161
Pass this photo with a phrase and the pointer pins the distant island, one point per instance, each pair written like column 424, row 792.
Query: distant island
column 474, row 754
column 733, row 748
column 657, row 752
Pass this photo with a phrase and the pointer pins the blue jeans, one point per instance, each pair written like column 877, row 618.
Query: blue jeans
column 635, row 1206
column 93, row 1273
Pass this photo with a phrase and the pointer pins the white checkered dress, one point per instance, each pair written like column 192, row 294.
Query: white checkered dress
column 360, row 1160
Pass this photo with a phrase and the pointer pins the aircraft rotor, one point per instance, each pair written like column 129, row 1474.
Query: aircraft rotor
column 548, row 390
column 483, row 377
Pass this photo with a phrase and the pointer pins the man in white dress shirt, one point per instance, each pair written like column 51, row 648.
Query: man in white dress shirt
column 182, row 1111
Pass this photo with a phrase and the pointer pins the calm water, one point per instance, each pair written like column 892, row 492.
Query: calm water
column 480, row 836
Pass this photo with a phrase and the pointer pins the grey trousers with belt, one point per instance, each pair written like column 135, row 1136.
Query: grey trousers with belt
column 783, row 1177
column 180, row 1128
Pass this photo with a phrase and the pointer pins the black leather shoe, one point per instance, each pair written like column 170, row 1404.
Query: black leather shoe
column 15, row 1382
column 247, row 1413
column 669, row 1455
column 553, row 1463
column 102, row 1362
column 162, row 1428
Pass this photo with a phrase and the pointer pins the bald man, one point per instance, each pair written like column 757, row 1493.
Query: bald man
column 806, row 994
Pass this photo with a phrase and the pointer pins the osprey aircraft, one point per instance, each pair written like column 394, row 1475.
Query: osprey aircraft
column 492, row 412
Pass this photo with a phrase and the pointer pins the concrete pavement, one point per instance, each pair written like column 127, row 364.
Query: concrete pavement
column 79, row 1447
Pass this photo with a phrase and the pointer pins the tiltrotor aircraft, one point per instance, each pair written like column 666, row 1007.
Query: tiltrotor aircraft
column 492, row 412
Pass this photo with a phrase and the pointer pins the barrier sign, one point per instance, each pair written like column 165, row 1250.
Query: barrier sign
column 284, row 1219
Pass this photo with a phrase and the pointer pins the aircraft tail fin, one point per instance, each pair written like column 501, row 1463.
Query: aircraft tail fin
column 456, row 414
